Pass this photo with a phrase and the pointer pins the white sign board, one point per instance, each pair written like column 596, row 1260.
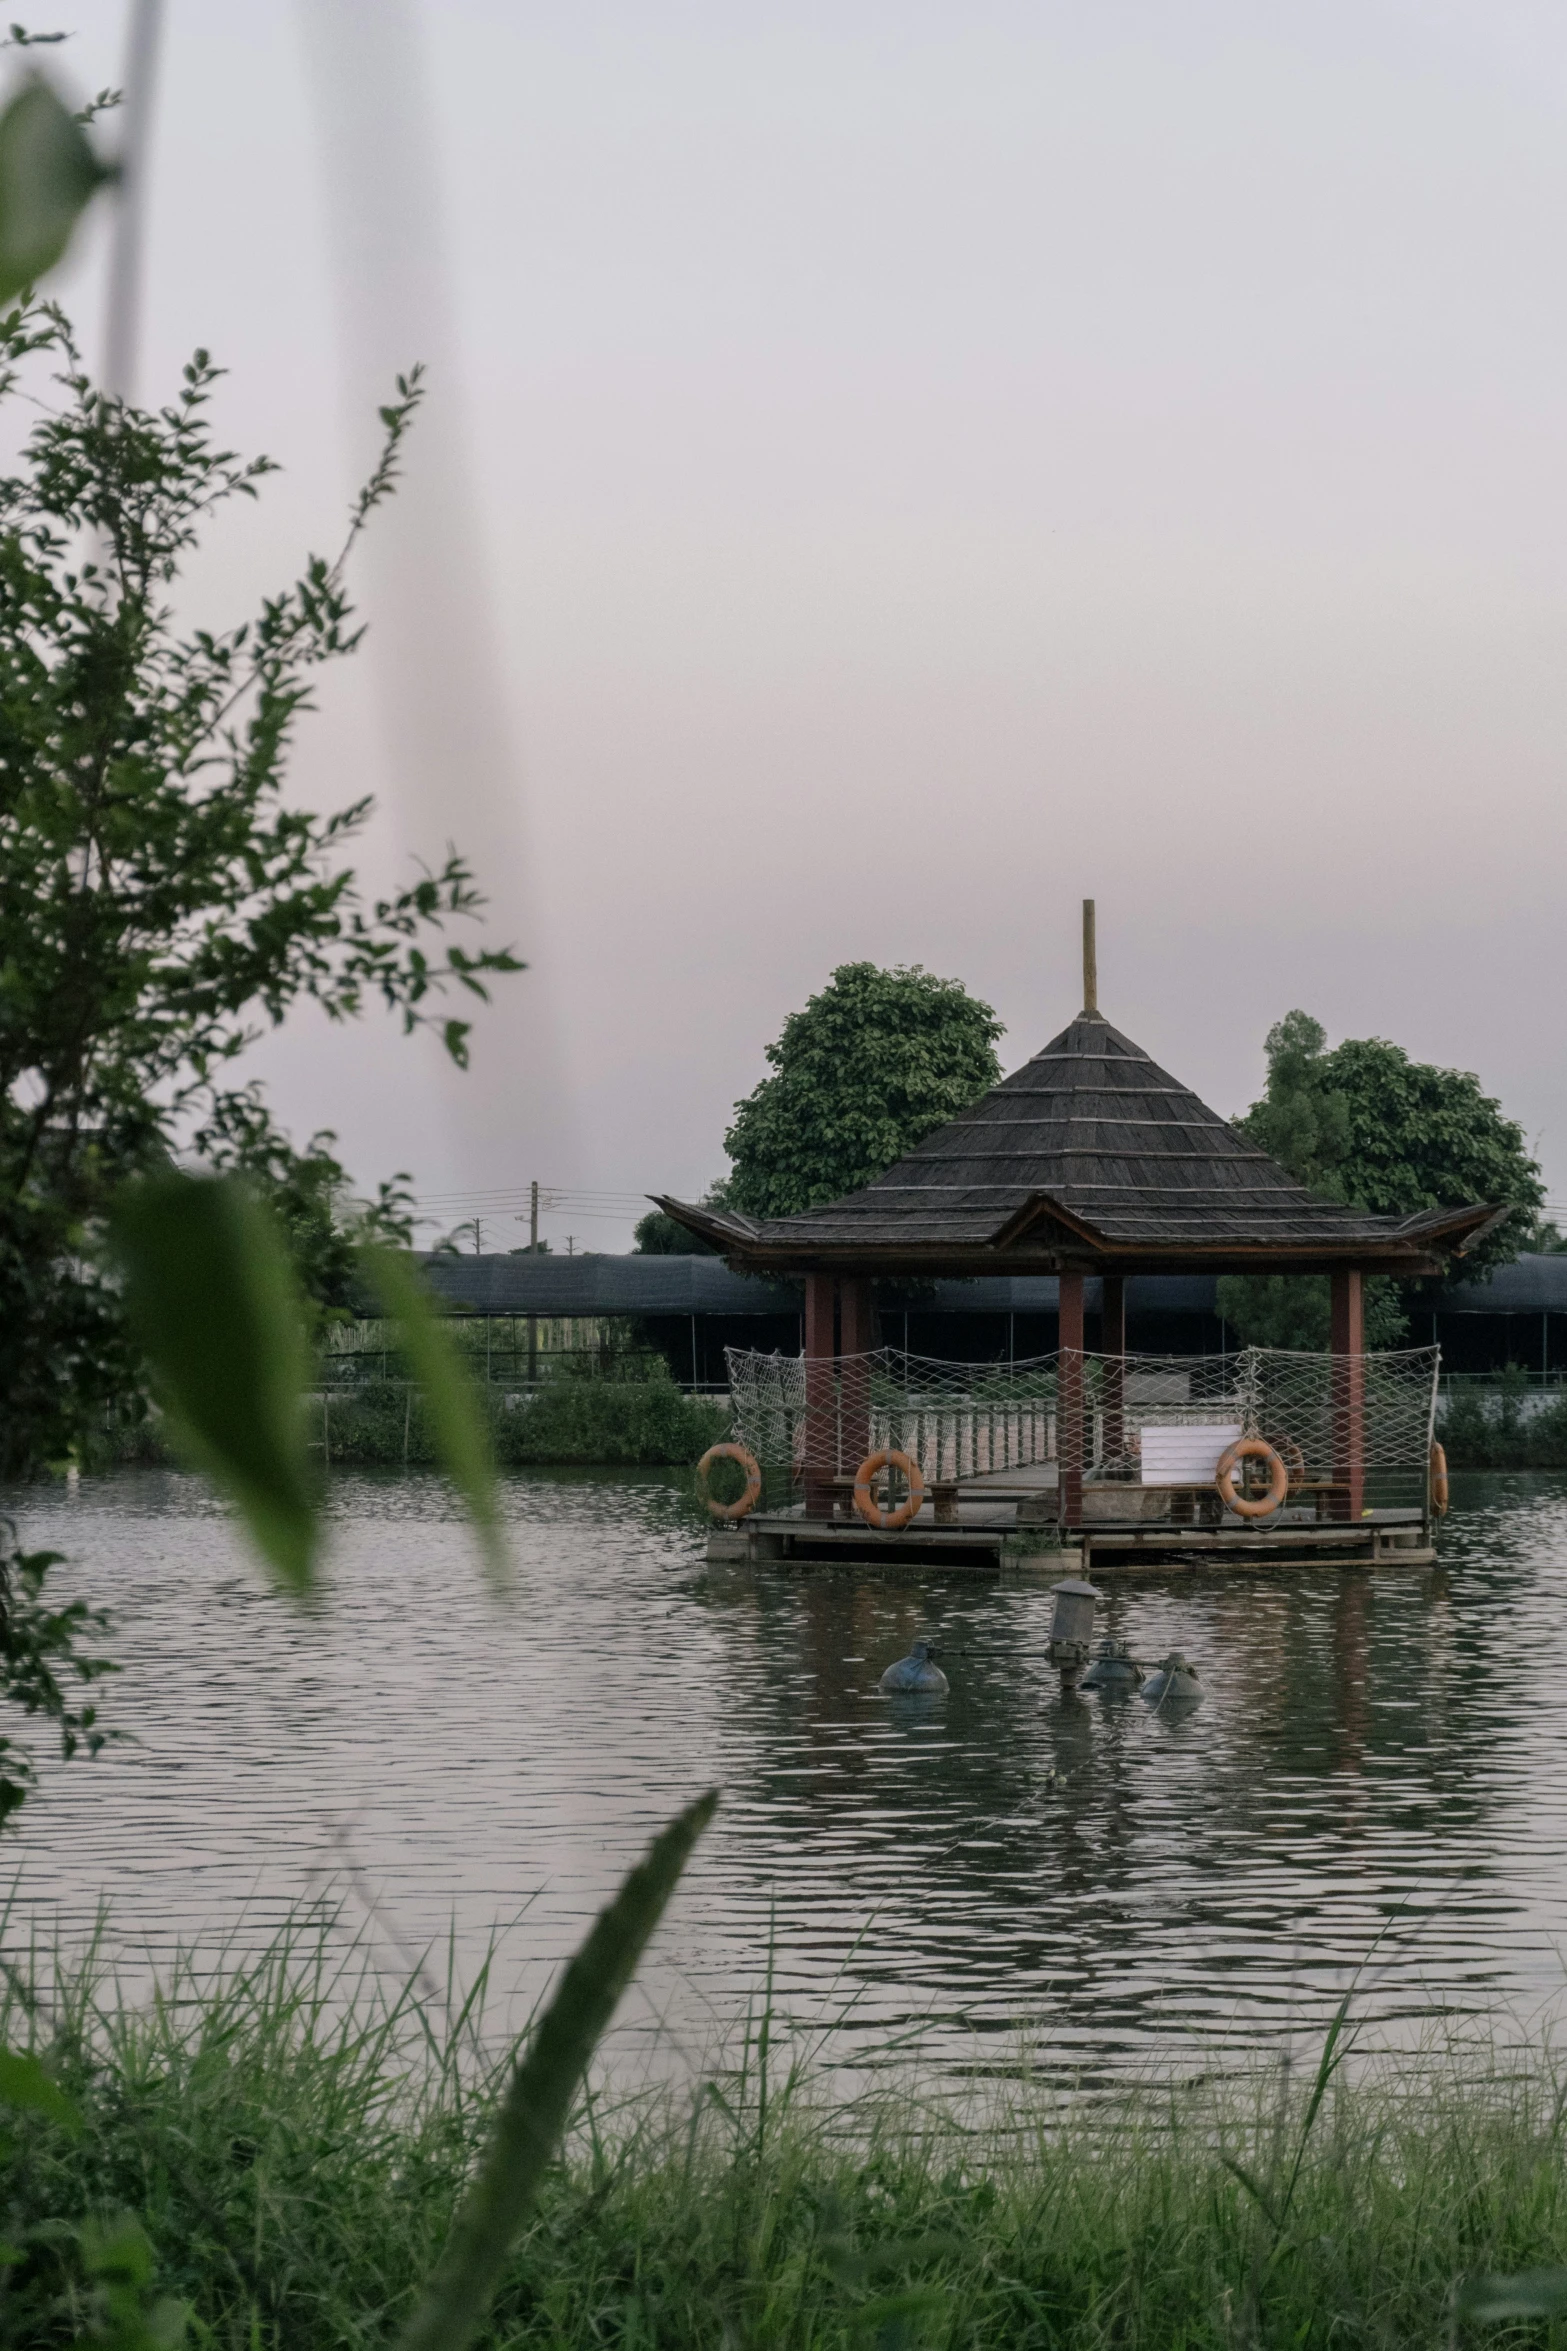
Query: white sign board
column 1186, row 1457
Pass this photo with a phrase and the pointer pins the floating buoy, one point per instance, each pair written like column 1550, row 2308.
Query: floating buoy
column 1243, row 1505
column 865, row 1501
column 1173, row 1680
column 1114, row 1668
column 917, row 1672
column 753, row 1480
column 1439, row 1495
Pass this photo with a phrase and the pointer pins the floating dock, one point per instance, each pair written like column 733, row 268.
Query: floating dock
column 1006, row 1522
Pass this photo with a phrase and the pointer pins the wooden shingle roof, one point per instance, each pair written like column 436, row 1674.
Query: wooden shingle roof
column 1090, row 1156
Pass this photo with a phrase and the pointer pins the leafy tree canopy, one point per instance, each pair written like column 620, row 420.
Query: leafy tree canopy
column 161, row 902
column 871, row 1066
column 658, row 1235
column 1365, row 1124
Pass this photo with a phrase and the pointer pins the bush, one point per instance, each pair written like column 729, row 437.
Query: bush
column 294, row 2149
column 599, row 1421
column 569, row 1422
column 1489, row 1428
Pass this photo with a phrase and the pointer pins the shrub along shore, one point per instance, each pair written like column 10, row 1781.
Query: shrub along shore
column 637, row 1415
column 1503, row 1425
column 570, row 1422
column 292, row 2152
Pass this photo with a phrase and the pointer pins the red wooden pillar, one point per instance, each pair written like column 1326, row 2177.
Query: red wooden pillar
column 821, row 1393
column 1348, row 1341
column 1069, row 1399
column 1112, row 1345
column 856, row 1338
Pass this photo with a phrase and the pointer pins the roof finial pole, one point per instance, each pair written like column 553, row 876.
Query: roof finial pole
column 1090, row 960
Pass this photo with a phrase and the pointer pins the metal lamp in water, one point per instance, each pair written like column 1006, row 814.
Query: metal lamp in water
column 1072, row 1628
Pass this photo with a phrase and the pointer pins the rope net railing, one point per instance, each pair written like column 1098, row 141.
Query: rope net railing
column 1121, row 1418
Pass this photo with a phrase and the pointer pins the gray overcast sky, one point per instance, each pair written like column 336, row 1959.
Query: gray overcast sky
column 932, row 463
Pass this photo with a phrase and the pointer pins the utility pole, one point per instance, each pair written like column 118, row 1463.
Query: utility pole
column 122, row 326
column 533, row 1250
column 478, row 1236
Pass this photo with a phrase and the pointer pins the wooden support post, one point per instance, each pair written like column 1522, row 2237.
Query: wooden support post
column 1069, row 1402
column 1348, row 1341
column 1112, row 1345
column 855, row 1333
column 856, row 1338
column 821, row 1393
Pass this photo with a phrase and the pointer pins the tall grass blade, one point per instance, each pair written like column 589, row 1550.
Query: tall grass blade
column 212, row 1300
column 538, row 2101
column 457, row 1414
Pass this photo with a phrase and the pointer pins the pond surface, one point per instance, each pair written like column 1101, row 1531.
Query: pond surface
column 1375, row 1781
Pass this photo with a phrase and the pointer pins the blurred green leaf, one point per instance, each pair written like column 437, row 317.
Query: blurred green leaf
column 23, row 2082
column 542, row 2089
column 213, row 1303
column 118, row 2258
column 1532, row 2293
column 48, row 173
column 457, row 1414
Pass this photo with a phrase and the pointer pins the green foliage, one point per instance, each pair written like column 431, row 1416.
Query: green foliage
column 456, row 1413
column 1422, row 1137
column 1300, row 1120
column 1366, row 1124
column 212, row 1301
column 1293, row 1310
column 636, row 1417
column 40, row 1652
column 324, row 1224
column 658, row 1235
column 48, row 176
column 161, row 900
column 644, row 1422
column 295, row 2159
column 1484, row 1424
column 540, row 2095
column 872, row 1065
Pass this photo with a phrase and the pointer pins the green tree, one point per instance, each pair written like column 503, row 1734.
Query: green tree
column 872, row 1065
column 325, row 1222
column 161, row 904
column 658, row 1235
column 1365, row 1124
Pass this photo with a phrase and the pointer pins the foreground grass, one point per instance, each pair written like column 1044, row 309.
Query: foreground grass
column 294, row 2151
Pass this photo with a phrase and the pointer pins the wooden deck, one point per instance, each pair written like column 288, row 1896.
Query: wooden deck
column 1007, row 1521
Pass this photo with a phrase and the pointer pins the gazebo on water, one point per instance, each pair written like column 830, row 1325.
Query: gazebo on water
column 1089, row 1160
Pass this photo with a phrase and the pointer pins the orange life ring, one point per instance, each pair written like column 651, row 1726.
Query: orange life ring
column 1294, row 1462
column 865, row 1501
column 753, row 1480
column 1251, row 1449
column 1439, row 1496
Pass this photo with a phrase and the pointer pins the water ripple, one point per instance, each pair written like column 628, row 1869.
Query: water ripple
column 1375, row 1781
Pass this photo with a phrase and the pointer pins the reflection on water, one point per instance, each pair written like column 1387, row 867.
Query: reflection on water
column 1377, row 1768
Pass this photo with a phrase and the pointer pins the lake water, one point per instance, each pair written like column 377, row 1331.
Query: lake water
column 1375, row 1781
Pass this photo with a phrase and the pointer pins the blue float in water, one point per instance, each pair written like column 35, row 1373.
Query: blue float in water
column 917, row 1671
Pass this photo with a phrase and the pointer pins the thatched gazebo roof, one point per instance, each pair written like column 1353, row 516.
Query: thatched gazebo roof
column 1090, row 1158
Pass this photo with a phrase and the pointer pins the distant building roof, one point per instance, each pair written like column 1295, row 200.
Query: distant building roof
column 595, row 1285
column 705, row 1285
column 1530, row 1285
column 540, row 1284
column 1090, row 1156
